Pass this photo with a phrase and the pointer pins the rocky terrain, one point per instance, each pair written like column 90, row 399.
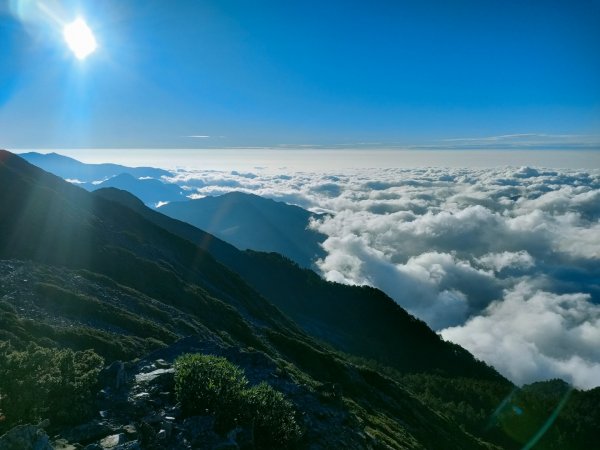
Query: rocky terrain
column 136, row 408
column 339, row 405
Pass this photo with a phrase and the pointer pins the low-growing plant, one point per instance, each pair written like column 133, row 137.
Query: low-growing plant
column 272, row 416
column 206, row 384
column 40, row 383
column 212, row 385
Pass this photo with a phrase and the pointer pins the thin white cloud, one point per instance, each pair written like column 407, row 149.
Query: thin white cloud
column 518, row 136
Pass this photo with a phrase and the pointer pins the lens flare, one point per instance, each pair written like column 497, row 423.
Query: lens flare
column 79, row 38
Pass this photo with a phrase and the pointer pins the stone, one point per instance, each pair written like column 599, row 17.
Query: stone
column 93, row 447
column 113, row 440
column 25, row 437
column 162, row 377
column 63, row 444
column 161, row 364
column 130, row 430
column 87, row 432
column 133, row 445
column 141, row 396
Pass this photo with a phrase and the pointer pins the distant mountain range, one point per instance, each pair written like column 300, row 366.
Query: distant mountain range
column 151, row 191
column 143, row 182
column 101, row 270
column 252, row 222
column 71, row 169
column 244, row 220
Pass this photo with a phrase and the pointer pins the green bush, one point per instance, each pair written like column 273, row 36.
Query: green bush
column 272, row 416
column 40, row 383
column 207, row 384
column 212, row 385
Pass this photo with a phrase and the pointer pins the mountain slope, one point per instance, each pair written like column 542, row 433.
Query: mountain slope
column 130, row 263
column 252, row 222
column 51, row 221
column 359, row 320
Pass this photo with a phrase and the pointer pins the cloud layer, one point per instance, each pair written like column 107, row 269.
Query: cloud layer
column 505, row 262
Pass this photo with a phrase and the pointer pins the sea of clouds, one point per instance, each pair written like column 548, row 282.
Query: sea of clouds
column 505, row 262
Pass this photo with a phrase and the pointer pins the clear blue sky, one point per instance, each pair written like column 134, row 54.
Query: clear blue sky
column 263, row 73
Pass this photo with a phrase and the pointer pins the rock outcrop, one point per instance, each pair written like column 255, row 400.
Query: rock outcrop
column 137, row 409
column 25, row 437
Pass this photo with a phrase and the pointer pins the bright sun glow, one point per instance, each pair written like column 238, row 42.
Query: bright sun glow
column 79, row 38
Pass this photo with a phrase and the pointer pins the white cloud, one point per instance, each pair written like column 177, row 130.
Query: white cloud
column 542, row 141
column 532, row 334
column 458, row 247
column 506, row 260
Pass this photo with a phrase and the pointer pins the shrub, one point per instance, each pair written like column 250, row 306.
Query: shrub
column 212, row 385
column 207, row 384
column 40, row 383
column 272, row 416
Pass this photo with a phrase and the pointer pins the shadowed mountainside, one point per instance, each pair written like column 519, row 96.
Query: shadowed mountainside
column 252, row 222
column 359, row 320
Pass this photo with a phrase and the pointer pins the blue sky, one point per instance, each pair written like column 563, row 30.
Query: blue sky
column 266, row 73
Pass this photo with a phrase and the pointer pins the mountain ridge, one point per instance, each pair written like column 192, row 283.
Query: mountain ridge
column 249, row 221
column 70, row 168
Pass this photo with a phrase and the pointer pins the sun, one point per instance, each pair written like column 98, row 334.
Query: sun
column 79, row 38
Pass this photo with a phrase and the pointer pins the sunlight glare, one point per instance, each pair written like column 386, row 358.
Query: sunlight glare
column 79, row 38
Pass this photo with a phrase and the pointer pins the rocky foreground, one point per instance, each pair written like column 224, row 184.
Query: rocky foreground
column 137, row 409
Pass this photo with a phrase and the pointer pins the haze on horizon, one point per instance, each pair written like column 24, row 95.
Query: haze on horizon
column 327, row 160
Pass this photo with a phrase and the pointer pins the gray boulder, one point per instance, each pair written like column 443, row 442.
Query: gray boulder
column 25, row 437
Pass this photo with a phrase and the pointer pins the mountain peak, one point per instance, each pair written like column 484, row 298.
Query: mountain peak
column 249, row 221
column 119, row 196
